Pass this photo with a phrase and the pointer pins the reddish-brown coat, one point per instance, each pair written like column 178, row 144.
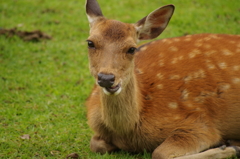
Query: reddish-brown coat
column 188, row 97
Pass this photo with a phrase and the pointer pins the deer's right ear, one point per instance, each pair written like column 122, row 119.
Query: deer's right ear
column 93, row 10
column 152, row 25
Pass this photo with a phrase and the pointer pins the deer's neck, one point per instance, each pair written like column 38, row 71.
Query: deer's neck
column 121, row 112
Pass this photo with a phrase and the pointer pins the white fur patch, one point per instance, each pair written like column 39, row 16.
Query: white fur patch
column 115, row 93
column 90, row 19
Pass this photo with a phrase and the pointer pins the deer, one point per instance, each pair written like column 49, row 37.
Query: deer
column 174, row 98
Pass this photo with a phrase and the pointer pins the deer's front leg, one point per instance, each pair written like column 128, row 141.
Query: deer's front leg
column 100, row 146
column 185, row 143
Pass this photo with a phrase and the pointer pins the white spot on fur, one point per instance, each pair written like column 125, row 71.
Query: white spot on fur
column 188, row 36
column 224, row 87
column 161, row 55
column 167, row 41
column 210, row 52
column 173, row 48
column 187, row 39
column 199, row 99
column 199, row 74
column 208, row 61
column 236, row 68
column 160, row 86
column 153, row 42
column 227, row 52
column 207, row 38
column 164, row 40
column 211, row 66
column 193, row 53
column 160, row 76
column 185, row 94
column 161, row 63
column 174, row 77
column 143, row 48
column 195, row 75
column 213, row 36
column 176, row 59
column 222, row 65
column 198, row 44
column 180, row 58
column 173, row 105
column 236, row 80
column 188, row 78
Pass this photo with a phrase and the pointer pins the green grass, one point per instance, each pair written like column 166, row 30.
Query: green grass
column 43, row 85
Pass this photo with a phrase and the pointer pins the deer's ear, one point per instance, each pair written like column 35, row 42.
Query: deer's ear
column 152, row 25
column 93, row 10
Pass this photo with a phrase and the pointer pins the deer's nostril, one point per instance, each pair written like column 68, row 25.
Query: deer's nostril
column 106, row 80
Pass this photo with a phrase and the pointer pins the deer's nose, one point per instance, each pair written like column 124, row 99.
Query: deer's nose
column 106, row 80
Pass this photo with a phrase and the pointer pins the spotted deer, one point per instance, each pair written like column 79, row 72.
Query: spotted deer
column 172, row 97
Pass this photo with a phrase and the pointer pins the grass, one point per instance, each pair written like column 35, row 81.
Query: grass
column 43, row 85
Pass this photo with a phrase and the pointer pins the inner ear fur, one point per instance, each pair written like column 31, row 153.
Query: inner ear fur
column 153, row 25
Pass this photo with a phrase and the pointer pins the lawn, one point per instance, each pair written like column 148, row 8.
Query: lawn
column 44, row 84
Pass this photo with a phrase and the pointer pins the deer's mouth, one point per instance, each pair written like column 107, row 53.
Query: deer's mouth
column 113, row 90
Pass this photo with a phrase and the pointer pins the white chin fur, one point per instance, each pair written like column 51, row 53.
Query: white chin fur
column 115, row 93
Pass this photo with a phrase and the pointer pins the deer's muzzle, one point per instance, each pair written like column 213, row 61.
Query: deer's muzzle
column 107, row 82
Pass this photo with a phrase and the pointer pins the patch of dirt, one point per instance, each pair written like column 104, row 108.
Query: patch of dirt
column 34, row 36
column 48, row 10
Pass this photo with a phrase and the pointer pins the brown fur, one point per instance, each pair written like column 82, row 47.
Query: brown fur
column 179, row 96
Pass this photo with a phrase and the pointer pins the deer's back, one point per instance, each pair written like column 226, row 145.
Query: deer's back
column 192, row 79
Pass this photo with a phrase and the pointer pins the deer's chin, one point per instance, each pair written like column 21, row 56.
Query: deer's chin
column 115, row 90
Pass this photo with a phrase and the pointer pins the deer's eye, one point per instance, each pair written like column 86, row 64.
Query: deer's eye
column 90, row 44
column 131, row 50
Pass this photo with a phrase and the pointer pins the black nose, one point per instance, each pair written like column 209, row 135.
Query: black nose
column 106, row 80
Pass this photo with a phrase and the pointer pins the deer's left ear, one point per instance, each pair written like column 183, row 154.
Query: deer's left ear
column 153, row 25
column 93, row 10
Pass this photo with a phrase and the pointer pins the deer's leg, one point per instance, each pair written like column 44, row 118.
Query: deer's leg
column 182, row 143
column 222, row 152
column 100, row 146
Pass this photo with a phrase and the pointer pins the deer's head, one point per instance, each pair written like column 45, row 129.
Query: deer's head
column 112, row 44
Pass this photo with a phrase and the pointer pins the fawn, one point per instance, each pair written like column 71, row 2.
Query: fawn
column 172, row 97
